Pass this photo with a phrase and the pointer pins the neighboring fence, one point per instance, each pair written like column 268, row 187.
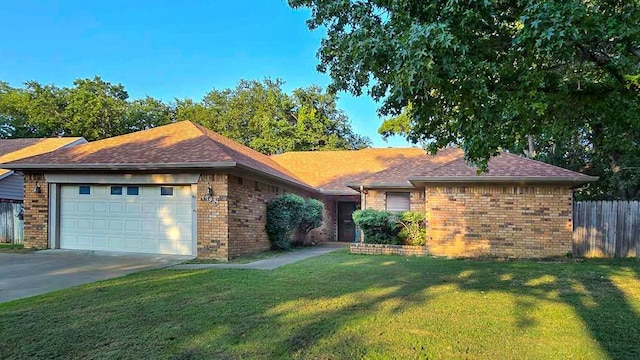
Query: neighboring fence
column 11, row 224
column 606, row 228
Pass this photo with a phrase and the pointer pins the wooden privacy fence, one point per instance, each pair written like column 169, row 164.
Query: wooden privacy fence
column 606, row 228
column 11, row 224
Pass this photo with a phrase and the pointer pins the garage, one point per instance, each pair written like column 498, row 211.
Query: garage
column 126, row 217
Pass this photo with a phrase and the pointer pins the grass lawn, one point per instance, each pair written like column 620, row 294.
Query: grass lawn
column 341, row 306
column 244, row 259
column 14, row 248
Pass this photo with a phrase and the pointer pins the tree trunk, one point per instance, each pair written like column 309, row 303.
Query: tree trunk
column 532, row 147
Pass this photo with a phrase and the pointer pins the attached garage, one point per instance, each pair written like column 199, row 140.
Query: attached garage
column 130, row 218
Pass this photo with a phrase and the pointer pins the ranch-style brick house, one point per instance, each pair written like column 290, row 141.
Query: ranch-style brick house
column 183, row 189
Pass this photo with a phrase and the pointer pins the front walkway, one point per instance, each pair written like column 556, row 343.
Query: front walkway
column 271, row 263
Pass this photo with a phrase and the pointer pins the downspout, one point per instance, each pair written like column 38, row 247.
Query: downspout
column 363, row 206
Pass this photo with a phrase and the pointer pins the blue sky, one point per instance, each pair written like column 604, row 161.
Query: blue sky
column 168, row 49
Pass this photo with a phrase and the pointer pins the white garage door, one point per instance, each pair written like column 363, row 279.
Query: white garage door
column 131, row 218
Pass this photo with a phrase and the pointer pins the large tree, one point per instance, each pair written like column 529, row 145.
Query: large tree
column 492, row 75
column 259, row 114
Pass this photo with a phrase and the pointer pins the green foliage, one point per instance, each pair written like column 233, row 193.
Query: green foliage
column 258, row 114
column 262, row 116
column 288, row 213
column 312, row 215
column 378, row 227
column 486, row 75
column 284, row 213
column 413, row 228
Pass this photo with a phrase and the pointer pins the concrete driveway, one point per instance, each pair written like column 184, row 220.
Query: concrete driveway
column 24, row 275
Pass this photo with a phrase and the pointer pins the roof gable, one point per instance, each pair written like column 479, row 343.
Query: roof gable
column 16, row 149
column 179, row 145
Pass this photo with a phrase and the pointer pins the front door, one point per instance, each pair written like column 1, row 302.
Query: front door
column 346, row 226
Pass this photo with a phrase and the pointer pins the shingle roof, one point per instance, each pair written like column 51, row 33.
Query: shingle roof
column 16, row 149
column 336, row 171
column 328, row 171
column 181, row 145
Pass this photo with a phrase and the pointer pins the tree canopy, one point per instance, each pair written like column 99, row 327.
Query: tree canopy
column 258, row 114
column 492, row 75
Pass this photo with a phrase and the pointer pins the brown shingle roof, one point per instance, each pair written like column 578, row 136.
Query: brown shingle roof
column 328, row 171
column 16, row 149
column 335, row 171
column 181, row 145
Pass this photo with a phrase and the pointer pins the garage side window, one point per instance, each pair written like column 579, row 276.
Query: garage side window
column 84, row 190
column 133, row 190
column 398, row 201
column 116, row 190
column 166, row 190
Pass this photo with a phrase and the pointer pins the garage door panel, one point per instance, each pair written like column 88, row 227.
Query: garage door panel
column 147, row 222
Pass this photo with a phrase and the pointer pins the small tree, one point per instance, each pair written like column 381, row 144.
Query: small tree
column 311, row 218
column 379, row 227
column 284, row 214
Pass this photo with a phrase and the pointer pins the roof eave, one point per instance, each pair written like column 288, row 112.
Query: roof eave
column 337, row 192
column 381, row 185
column 570, row 180
column 278, row 178
column 121, row 166
column 7, row 174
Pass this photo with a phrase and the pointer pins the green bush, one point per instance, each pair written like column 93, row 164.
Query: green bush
column 288, row 213
column 311, row 218
column 378, row 227
column 413, row 230
column 284, row 213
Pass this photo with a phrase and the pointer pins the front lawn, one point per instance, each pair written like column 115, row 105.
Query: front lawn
column 341, row 306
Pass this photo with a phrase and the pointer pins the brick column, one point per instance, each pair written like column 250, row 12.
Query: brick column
column 36, row 212
column 213, row 217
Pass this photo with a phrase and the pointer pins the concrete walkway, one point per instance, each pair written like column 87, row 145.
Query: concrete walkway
column 270, row 263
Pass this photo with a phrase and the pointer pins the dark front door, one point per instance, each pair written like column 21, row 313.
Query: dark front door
column 346, row 226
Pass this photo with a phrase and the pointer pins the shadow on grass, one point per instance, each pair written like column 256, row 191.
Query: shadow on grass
column 334, row 306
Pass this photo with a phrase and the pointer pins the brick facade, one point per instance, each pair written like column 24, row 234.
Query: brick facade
column 236, row 225
column 213, row 217
column 505, row 221
column 36, row 213
column 384, row 249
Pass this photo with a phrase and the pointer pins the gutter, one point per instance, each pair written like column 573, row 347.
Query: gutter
column 156, row 166
column 575, row 180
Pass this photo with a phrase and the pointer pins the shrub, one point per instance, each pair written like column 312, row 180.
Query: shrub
column 413, row 230
column 311, row 218
column 378, row 227
column 284, row 213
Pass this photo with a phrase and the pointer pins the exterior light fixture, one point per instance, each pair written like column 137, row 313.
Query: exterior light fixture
column 37, row 189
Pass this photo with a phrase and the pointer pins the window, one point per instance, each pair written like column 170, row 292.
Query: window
column 166, row 190
column 116, row 190
column 398, row 201
column 84, row 190
column 133, row 190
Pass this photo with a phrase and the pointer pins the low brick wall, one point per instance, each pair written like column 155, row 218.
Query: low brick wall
column 382, row 249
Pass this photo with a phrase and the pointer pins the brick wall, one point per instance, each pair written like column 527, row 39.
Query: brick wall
column 236, row 226
column 212, row 218
column 505, row 221
column 383, row 249
column 377, row 199
column 36, row 212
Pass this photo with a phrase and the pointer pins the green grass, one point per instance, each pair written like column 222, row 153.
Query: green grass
column 14, row 248
column 244, row 259
column 341, row 306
